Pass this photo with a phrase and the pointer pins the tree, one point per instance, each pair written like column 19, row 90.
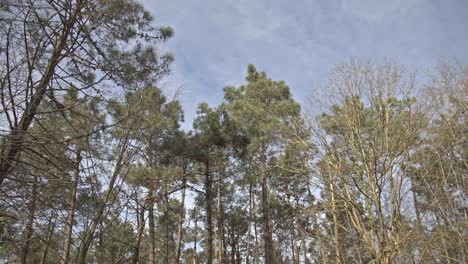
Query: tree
column 49, row 45
column 438, row 168
column 368, row 136
column 152, row 123
column 263, row 108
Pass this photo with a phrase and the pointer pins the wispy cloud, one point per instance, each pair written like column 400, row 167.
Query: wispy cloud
column 375, row 11
column 301, row 41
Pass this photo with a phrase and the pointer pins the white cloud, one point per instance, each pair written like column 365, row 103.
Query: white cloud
column 300, row 41
column 376, row 10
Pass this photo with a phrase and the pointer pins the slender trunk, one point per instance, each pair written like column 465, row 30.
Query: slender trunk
column 238, row 256
column 233, row 248
column 166, row 227
column 247, row 253
column 422, row 255
column 50, row 233
column 219, row 222
column 444, row 242
column 209, row 220
column 295, row 248
column 304, row 246
column 181, row 220
column 89, row 234
column 71, row 211
column 267, row 232
column 151, row 226
column 140, row 226
column 195, row 255
column 322, row 250
column 416, row 204
column 257, row 244
column 29, row 227
column 336, row 235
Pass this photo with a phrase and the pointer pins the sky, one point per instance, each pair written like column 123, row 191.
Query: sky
column 301, row 41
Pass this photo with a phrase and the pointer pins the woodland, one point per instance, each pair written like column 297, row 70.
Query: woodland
column 96, row 168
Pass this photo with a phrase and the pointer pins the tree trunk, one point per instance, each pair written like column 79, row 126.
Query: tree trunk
column 257, row 244
column 151, row 226
column 247, row 253
column 71, row 212
column 90, row 233
column 50, row 233
column 140, row 227
column 267, row 231
column 166, row 227
column 181, row 219
column 295, row 248
column 29, row 227
column 304, row 246
column 238, row 255
column 219, row 222
column 336, row 235
column 233, row 247
column 209, row 220
column 196, row 235
column 422, row 253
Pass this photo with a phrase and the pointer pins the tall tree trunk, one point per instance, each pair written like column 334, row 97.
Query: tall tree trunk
column 181, row 219
column 336, row 235
column 195, row 255
column 257, row 244
column 295, row 248
column 29, row 227
column 219, row 222
column 140, row 210
column 209, row 217
column 304, row 246
column 50, row 233
column 151, row 226
column 89, row 234
column 247, row 253
column 71, row 211
column 267, row 230
column 233, row 247
column 422, row 254
column 323, row 255
column 166, row 227
column 238, row 255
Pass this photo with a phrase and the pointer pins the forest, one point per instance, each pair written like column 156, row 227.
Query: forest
column 96, row 168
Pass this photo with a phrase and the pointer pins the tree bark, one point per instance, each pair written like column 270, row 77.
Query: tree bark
column 304, row 246
column 29, row 227
column 71, row 212
column 90, row 233
column 151, row 226
column 209, row 217
column 267, row 232
column 247, row 253
column 219, row 222
column 181, row 219
column 50, row 233
column 140, row 226
column 336, row 236
column 257, row 244
column 167, row 229
column 295, row 248
column 195, row 255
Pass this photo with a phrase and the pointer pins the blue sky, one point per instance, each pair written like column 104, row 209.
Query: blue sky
column 301, row 41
